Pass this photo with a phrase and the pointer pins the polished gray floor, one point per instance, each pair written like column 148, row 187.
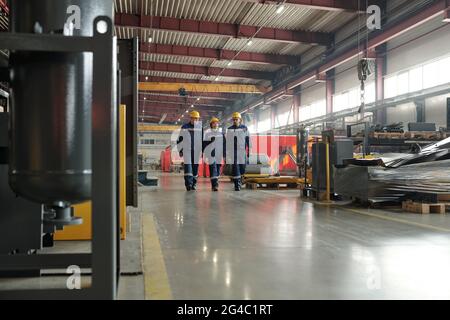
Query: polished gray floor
column 272, row 245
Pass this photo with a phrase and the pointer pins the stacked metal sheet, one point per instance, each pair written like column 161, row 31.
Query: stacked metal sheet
column 397, row 177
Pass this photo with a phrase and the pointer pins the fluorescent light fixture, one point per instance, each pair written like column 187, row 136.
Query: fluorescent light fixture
column 280, row 9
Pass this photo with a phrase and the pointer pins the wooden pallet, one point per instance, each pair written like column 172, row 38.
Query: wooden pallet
column 423, row 135
column 274, row 183
column 388, row 135
column 272, row 186
column 424, row 208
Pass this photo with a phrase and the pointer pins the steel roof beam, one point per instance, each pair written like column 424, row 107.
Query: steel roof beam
column 184, row 100
column 213, row 97
column 221, row 29
column 206, row 71
column 326, row 5
column 389, row 32
column 218, row 54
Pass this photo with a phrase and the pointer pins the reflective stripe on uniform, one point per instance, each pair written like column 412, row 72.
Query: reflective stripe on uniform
column 188, row 175
column 237, row 177
column 214, row 178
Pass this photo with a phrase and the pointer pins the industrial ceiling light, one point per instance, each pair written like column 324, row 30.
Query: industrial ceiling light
column 230, row 63
column 146, row 78
column 187, row 111
column 145, row 98
column 280, row 9
column 198, row 99
column 150, row 39
column 250, row 42
column 216, row 79
column 193, row 105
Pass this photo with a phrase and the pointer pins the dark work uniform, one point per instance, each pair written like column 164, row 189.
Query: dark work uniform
column 238, row 149
column 190, row 147
column 214, row 151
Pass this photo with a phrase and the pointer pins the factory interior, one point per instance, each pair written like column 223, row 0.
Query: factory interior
column 344, row 190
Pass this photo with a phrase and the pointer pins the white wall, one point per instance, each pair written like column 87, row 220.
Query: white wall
column 265, row 117
column 402, row 113
column 436, row 110
column 428, row 47
column 316, row 91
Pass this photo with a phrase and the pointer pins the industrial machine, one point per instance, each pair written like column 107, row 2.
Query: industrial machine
column 58, row 141
column 329, row 152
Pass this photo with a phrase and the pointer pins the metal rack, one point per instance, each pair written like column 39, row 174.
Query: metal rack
column 103, row 258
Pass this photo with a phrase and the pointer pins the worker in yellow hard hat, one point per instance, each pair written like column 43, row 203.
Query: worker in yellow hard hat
column 190, row 145
column 214, row 147
column 237, row 149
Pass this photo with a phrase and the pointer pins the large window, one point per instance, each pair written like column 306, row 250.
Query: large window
column 264, row 125
column 313, row 110
column 352, row 98
column 427, row 75
column 285, row 118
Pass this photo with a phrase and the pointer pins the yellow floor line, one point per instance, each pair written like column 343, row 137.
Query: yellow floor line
column 156, row 280
column 416, row 224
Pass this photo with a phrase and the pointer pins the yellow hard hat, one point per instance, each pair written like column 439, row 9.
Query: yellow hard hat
column 195, row 114
column 237, row 115
column 214, row 120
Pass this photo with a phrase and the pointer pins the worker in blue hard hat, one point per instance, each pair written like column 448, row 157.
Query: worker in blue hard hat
column 237, row 149
column 189, row 145
column 214, row 150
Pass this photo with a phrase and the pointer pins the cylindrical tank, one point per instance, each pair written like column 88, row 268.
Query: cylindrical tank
column 50, row 158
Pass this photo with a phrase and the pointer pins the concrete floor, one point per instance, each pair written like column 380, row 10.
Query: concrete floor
column 131, row 285
column 272, row 245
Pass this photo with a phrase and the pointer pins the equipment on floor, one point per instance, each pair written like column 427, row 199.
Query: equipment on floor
column 57, row 154
column 396, row 177
column 147, row 180
column 258, row 164
column 338, row 151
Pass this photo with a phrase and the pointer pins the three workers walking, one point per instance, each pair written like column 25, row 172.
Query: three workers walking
column 233, row 147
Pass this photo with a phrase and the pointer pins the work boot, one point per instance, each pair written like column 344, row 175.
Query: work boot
column 215, row 189
column 194, row 187
column 237, row 185
column 188, row 188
